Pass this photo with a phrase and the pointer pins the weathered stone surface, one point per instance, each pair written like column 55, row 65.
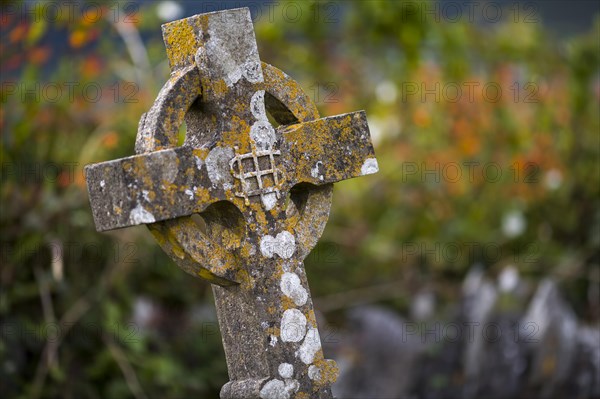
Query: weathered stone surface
column 263, row 193
column 177, row 182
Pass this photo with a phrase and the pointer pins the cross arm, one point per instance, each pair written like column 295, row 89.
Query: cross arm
column 151, row 187
column 329, row 150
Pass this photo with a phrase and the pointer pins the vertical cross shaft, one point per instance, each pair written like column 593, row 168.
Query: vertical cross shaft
column 267, row 321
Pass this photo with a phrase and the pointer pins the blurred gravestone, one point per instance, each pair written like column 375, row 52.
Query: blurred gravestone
column 263, row 194
column 550, row 329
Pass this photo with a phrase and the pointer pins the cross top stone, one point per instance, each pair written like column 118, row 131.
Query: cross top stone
column 263, row 193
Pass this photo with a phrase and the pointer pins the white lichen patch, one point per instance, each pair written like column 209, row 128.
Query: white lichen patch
column 292, row 386
column 199, row 162
column 269, row 200
column 257, row 105
column 139, row 215
column 277, row 389
column 293, row 326
column 284, row 245
column 102, row 183
column 253, row 72
column 310, row 346
column 286, row 370
column 222, row 54
column 217, row 166
column 369, row 167
column 146, row 195
column 263, row 134
column 272, row 340
column 274, row 389
column 314, row 373
column 189, row 193
column 233, row 76
column 316, row 171
column 292, row 287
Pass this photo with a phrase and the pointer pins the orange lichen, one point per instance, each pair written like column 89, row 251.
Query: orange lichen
column 181, row 40
column 246, row 281
column 328, row 371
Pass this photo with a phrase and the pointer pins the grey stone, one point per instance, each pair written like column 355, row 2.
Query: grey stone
column 263, row 193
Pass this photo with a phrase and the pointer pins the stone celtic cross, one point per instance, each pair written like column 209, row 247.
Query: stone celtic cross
column 263, row 194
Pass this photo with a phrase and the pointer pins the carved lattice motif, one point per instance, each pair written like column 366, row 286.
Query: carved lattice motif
column 252, row 175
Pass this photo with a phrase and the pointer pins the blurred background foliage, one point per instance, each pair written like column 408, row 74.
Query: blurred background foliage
column 486, row 132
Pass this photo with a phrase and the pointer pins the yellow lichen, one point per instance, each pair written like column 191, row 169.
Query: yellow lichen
column 328, row 371
column 286, row 303
column 246, row 281
column 181, row 42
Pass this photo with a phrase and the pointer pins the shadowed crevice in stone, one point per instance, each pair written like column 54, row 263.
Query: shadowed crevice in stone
column 279, row 111
column 225, row 224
